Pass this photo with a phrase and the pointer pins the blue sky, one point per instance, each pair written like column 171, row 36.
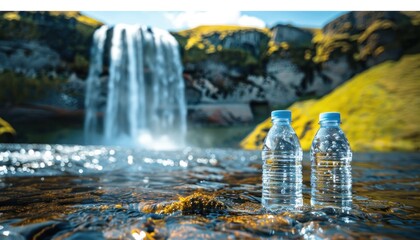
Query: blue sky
column 189, row 19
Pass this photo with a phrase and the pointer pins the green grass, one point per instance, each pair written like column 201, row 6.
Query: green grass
column 380, row 109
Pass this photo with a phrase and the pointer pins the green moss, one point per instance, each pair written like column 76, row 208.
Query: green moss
column 414, row 16
column 331, row 45
column 354, row 42
column 376, row 26
column 17, row 88
column 379, row 107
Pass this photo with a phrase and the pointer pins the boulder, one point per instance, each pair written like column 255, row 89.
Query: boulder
column 27, row 57
column 290, row 34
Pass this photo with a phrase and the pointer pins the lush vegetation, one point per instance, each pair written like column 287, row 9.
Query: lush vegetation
column 379, row 107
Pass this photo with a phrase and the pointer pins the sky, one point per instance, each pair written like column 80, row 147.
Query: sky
column 188, row 19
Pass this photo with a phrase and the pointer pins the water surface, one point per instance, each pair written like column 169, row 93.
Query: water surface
column 79, row 192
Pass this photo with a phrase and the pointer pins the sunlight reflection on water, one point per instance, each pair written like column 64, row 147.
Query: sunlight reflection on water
column 114, row 192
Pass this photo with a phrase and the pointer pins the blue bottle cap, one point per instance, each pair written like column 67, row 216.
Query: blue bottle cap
column 329, row 116
column 281, row 114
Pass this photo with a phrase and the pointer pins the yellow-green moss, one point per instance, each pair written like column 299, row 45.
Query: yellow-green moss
column 327, row 44
column 375, row 26
column 414, row 16
column 274, row 47
column 196, row 203
column 11, row 16
column 195, row 35
column 5, row 127
column 380, row 109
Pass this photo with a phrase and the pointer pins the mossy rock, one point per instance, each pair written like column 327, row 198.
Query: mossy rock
column 68, row 33
column 196, row 203
column 198, row 45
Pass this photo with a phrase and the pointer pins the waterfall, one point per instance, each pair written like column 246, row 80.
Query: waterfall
column 135, row 90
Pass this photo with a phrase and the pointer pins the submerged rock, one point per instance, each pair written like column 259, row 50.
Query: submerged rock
column 196, row 203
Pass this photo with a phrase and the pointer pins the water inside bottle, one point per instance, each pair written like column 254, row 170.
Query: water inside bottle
column 282, row 181
column 331, row 181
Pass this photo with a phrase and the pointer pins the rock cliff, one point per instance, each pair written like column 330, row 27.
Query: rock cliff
column 44, row 54
column 223, row 65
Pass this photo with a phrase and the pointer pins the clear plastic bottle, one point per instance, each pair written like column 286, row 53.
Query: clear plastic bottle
column 282, row 165
column 331, row 165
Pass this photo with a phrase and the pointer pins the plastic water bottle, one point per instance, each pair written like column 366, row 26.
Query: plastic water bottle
column 282, row 168
column 331, row 170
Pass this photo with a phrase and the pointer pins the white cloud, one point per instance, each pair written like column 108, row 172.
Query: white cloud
column 184, row 20
column 246, row 20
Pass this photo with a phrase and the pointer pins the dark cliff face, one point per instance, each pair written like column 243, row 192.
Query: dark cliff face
column 375, row 36
column 68, row 34
column 293, row 35
column 252, row 42
column 44, row 56
column 356, row 22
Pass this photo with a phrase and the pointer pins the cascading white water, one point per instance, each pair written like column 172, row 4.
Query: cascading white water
column 141, row 100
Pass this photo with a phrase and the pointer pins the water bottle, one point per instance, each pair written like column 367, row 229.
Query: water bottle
column 331, row 170
column 282, row 165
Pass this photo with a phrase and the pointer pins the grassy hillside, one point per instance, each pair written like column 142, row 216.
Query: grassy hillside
column 380, row 110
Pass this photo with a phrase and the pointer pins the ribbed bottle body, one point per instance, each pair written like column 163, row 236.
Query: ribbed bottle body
column 282, row 169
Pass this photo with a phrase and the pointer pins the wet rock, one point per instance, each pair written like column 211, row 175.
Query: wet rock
column 196, row 203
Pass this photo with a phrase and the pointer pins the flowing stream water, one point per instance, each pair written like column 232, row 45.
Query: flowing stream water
column 95, row 192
